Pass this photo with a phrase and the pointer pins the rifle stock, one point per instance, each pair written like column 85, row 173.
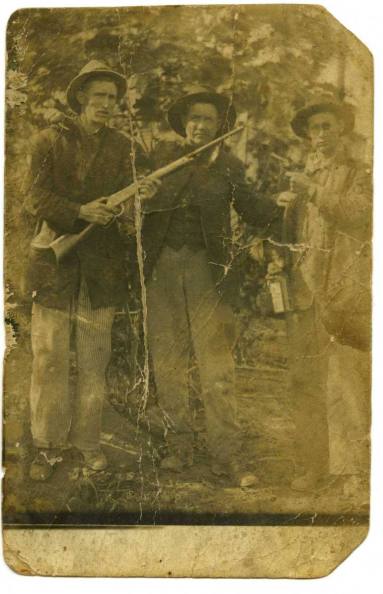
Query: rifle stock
column 64, row 244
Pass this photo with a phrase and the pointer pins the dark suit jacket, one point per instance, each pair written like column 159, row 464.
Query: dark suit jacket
column 215, row 188
column 62, row 177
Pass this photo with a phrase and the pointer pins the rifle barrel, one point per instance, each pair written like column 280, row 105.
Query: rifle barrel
column 66, row 243
column 126, row 193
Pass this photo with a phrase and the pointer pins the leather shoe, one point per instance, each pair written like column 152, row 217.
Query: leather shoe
column 175, row 463
column 95, row 459
column 309, row 481
column 43, row 464
column 238, row 477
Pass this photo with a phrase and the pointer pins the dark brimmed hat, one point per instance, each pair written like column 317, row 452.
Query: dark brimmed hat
column 343, row 111
column 223, row 104
column 93, row 70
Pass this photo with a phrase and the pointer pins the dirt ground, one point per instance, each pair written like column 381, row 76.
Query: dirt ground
column 134, row 490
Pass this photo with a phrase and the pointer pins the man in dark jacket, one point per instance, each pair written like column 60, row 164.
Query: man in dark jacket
column 187, row 243
column 73, row 165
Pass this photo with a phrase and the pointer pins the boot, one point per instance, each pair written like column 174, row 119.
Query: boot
column 44, row 464
column 310, row 481
column 234, row 474
column 95, row 459
column 180, row 455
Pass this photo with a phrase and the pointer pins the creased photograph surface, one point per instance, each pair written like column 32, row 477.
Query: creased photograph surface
column 187, row 268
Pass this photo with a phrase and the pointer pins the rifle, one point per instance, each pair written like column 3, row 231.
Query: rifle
column 62, row 245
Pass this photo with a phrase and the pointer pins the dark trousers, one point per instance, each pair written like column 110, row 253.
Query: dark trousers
column 184, row 311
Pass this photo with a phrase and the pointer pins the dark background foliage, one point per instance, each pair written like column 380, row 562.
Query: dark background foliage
column 270, row 60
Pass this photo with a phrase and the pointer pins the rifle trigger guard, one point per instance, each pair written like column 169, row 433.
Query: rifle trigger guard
column 115, row 217
column 119, row 214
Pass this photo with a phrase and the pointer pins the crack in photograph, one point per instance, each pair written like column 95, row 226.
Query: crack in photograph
column 187, row 268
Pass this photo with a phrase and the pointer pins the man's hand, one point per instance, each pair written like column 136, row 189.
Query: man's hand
column 299, row 182
column 276, row 265
column 96, row 212
column 148, row 188
column 274, row 268
column 286, row 198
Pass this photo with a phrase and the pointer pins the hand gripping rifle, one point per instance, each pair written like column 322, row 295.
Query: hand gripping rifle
column 62, row 245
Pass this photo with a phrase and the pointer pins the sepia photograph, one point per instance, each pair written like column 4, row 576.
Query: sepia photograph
column 187, row 278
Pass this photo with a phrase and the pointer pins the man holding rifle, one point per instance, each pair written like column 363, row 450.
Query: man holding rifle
column 189, row 272
column 74, row 165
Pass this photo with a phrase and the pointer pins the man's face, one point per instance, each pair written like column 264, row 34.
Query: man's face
column 201, row 123
column 98, row 101
column 324, row 131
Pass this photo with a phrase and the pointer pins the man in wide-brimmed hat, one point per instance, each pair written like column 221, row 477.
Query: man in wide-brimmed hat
column 73, row 165
column 189, row 272
column 330, row 197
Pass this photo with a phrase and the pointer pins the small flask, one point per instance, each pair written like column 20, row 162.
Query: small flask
column 278, row 288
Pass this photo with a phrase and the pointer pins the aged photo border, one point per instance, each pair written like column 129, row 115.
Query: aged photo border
column 377, row 320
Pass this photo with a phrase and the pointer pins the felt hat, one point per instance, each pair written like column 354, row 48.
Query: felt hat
column 93, row 70
column 223, row 104
column 342, row 111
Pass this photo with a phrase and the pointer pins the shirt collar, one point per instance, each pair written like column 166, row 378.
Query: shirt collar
column 85, row 133
column 316, row 161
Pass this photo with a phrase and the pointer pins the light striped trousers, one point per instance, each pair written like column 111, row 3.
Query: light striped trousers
column 58, row 417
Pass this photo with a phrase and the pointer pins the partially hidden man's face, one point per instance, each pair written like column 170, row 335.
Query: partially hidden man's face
column 324, row 131
column 98, row 101
column 201, row 123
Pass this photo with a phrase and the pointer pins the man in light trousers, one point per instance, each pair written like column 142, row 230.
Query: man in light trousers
column 74, row 164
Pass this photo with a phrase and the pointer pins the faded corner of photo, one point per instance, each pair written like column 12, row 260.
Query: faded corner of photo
column 188, row 211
